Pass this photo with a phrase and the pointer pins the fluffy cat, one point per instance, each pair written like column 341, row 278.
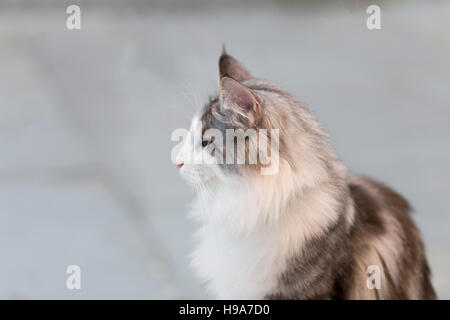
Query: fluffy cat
column 310, row 231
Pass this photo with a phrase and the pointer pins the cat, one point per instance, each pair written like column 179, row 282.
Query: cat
column 312, row 230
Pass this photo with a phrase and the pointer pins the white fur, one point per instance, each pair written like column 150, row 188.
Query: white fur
column 251, row 225
column 242, row 258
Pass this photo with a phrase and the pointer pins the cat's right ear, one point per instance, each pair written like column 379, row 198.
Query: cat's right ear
column 230, row 67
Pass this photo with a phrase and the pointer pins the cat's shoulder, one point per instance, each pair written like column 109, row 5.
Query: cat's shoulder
column 376, row 203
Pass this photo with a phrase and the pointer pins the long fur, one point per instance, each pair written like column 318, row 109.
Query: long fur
column 308, row 232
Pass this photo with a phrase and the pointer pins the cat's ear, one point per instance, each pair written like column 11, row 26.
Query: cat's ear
column 239, row 99
column 230, row 67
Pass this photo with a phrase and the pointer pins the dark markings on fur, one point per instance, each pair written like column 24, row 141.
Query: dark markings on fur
column 326, row 266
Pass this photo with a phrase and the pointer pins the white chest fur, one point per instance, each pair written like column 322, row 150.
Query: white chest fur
column 241, row 257
column 239, row 267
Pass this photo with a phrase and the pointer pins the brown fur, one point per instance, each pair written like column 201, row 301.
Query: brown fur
column 334, row 265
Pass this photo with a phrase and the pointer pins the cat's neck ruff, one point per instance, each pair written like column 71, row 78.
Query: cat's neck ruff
column 250, row 229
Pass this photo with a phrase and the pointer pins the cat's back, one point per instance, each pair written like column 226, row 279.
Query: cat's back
column 385, row 238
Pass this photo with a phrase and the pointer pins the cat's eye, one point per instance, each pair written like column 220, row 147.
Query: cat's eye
column 205, row 143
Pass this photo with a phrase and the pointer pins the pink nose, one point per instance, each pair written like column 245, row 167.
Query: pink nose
column 179, row 165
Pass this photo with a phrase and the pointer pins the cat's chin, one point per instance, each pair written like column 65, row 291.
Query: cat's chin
column 203, row 181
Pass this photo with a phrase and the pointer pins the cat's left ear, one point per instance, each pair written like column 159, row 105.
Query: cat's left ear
column 230, row 67
column 239, row 99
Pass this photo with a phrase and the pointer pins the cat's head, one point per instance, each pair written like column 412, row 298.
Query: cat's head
column 251, row 128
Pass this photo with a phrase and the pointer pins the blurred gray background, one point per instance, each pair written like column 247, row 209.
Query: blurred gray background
column 86, row 116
